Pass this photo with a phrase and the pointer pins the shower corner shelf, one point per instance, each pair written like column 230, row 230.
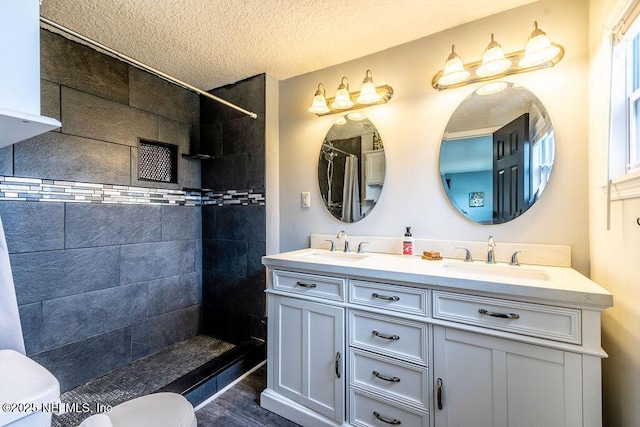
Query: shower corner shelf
column 197, row 190
column 197, row 156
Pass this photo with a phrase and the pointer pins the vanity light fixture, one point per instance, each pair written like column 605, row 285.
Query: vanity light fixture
column 346, row 101
column 539, row 53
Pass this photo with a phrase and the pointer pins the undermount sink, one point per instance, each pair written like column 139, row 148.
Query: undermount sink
column 333, row 256
column 505, row 271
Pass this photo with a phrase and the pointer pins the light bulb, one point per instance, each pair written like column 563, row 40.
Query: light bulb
column 454, row 71
column 319, row 103
column 368, row 93
column 539, row 49
column 343, row 99
column 493, row 61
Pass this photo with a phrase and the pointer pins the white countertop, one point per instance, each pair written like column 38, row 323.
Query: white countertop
column 555, row 285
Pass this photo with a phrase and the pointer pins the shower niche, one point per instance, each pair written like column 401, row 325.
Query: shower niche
column 351, row 168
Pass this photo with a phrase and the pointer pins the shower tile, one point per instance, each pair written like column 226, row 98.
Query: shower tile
column 209, row 221
column 74, row 65
column 225, row 256
column 158, row 96
column 255, row 269
column 54, row 155
column 33, row 226
column 211, row 139
column 31, row 320
column 243, row 135
column 50, row 99
column 106, row 224
column 181, row 222
column 228, row 325
column 173, row 293
column 208, row 287
column 6, row 160
column 41, row 276
column 241, row 294
column 98, row 118
column 162, row 331
column 256, row 169
column 245, row 223
column 76, row 363
column 74, row 318
column 226, row 173
column 147, row 261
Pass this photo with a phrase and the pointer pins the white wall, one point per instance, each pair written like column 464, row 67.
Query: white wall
column 412, row 123
column 614, row 253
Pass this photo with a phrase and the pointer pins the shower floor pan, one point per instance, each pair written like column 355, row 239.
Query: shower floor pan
column 196, row 368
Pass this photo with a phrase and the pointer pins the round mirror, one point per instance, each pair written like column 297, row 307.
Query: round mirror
column 351, row 168
column 497, row 153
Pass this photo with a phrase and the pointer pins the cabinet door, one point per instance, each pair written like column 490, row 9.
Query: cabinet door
column 484, row 381
column 374, row 162
column 308, row 363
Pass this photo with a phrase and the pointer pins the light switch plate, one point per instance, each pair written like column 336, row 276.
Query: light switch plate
column 306, row 199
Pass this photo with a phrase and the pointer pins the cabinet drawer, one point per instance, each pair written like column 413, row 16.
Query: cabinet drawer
column 548, row 322
column 367, row 410
column 309, row 284
column 390, row 336
column 389, row 297
column 389, row 377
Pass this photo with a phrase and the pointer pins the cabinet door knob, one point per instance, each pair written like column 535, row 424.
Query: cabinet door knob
column 394, row 421
column 385, row 336
column 338, row 364
column 386, row 378
column 385, row 297
column 500, row 315
column 439, row 393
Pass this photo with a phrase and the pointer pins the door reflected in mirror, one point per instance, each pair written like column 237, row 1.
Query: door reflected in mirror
column 351, row 168
column 497, row 153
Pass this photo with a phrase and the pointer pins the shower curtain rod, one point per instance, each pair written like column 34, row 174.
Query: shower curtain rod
column 324, row 144
column 145, row 67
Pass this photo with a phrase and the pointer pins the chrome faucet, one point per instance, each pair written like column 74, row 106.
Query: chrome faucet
column 342, row 234
column 491, row 251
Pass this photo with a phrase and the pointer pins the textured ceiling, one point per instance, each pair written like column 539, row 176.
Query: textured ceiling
column 210, row 43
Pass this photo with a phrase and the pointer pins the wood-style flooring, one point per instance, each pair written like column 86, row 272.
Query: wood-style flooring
column 240, row 406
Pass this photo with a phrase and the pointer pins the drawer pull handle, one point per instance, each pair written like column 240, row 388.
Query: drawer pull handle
column 385, row 297
column 338, row 364
column 386, row 378
column 306, row 285
column 385, row 336
column 394, row 421
column 439, row 393
column 500, row 315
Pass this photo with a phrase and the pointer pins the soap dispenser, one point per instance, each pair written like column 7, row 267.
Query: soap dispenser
column 407, row 243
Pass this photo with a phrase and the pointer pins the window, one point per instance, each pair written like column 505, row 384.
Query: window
column 625, row 95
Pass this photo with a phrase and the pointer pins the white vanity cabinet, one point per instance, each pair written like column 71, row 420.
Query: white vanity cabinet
column 359, row 347
column 485, row 381
column 308, row 365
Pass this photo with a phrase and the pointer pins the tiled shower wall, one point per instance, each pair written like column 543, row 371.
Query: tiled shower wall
column 101, row 284
column 234, row 234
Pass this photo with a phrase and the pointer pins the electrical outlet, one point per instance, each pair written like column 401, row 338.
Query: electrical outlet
column 306, row 199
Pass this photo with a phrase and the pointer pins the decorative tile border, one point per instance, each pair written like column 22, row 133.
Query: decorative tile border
column 233, row 197
column 46, row 190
